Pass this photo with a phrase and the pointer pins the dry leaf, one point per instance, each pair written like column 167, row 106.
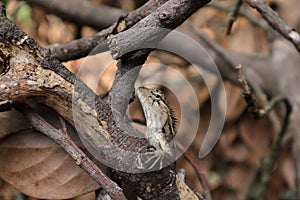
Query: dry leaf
column 38, row 167
column 237, row 152
column 11, row 122
column 256, row 134
column 275, row 185
column 287, row 168
column 238, row 178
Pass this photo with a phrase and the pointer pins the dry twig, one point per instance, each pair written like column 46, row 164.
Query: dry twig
column 256, row 112
column 277, row 143
column 199, row 174
column 233, row 15
column 80, row 158
column 276, row 22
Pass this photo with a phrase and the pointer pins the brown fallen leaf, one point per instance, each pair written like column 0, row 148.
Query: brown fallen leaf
column 287, row 169
column 238, row 178
column 256, row 134
column 12, row 122
column 237, row 153
column 38, row 167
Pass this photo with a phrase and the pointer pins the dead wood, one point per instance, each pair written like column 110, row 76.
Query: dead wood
column 31, row 74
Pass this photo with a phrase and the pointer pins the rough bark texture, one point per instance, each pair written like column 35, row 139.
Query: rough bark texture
column 30, row 74
column 144, row 34
column 82, row 47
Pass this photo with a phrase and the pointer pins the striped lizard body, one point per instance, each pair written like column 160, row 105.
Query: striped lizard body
column 159, row 117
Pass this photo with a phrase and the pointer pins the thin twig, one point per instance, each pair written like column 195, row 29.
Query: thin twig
column 199, row 174
column 251, row 102
column 81, row 159
column 276, row 147
column 254, row 20
column 277, row 143
column 63, row 124
column 276, row 22
column 233, row 15
column 253, row 108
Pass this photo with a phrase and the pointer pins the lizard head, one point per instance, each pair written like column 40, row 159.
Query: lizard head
column 156, row 110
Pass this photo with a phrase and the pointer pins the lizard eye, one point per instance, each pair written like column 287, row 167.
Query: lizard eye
column 157, row 94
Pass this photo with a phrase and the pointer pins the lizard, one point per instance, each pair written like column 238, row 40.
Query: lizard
column 160, row 119
column 160, row 122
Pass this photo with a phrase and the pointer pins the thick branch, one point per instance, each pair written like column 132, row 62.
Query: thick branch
column 32, row 75
column 76, row 49
column 145, row 34
column 153, row 28
column 149, row 31
column 79, row 48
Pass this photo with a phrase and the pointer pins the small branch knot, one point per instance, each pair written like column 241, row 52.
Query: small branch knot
column 164, row 16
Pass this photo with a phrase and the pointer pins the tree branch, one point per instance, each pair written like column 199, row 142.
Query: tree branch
column 267, row 73
column 233, row 15
column 82, row 47
column 276, row 147
column 62, row 138
column 81, row 12
column 253, row 19
column 145, row 34
column 276, row 22
column 32, row 75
